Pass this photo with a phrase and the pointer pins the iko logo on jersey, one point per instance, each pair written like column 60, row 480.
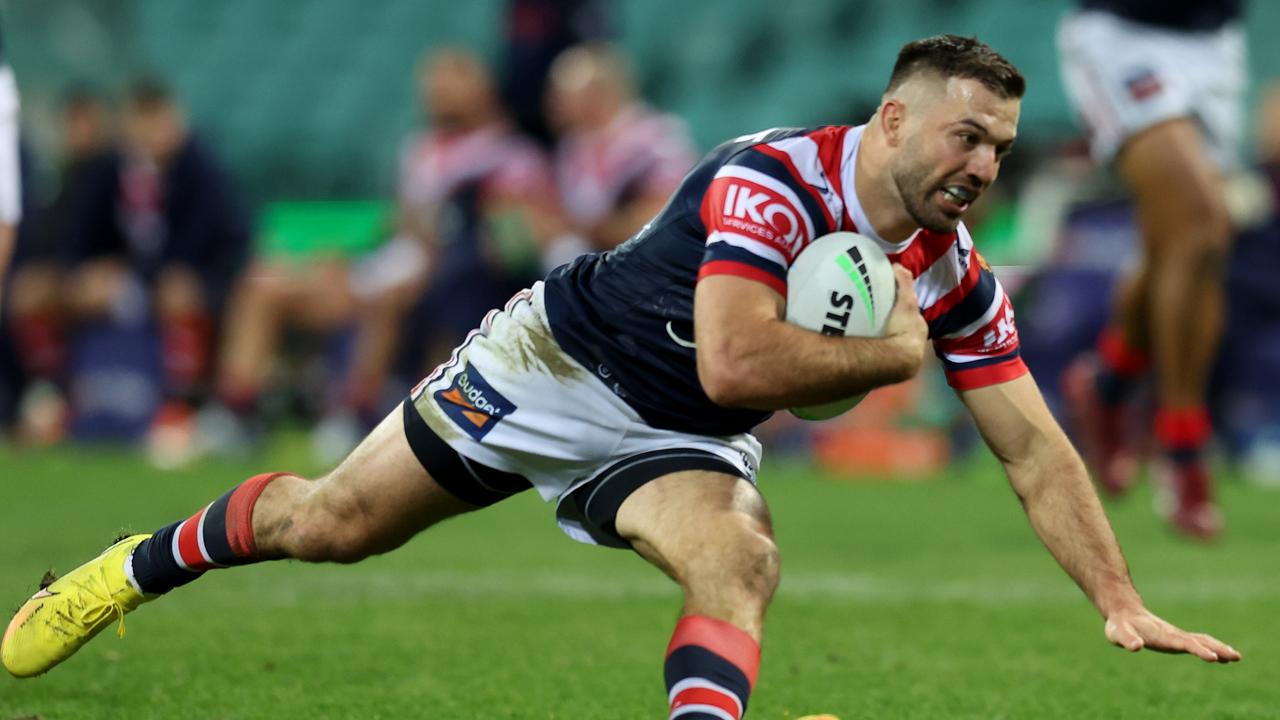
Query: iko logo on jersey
column 761, row 213
column 472, row 403
column 1003, row 332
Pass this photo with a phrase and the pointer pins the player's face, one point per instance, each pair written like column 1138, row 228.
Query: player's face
column 155, row 132
column 953, row 151
column 454, row 93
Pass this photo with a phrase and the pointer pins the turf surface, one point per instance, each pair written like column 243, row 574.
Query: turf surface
column 899, row 600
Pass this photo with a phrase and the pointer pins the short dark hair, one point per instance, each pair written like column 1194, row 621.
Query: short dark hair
column 954, row 56
column 149, row 93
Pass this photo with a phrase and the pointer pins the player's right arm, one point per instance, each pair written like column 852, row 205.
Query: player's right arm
column 749, row 356
column 759, row 213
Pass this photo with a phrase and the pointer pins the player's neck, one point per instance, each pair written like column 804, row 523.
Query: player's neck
column 875, row 190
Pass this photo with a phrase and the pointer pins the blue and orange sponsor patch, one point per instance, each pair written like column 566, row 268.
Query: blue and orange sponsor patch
column 472, row 403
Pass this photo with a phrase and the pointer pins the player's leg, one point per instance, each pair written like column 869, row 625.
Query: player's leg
column 34, row 310
column 1186, row 233
column 378, row 498
column 711, row 533
column 255, row 315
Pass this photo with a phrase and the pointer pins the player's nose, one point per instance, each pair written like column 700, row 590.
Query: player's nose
column 983, row 167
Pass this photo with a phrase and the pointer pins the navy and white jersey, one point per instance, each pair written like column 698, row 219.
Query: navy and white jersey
column 1185, row 15
column 748, row 209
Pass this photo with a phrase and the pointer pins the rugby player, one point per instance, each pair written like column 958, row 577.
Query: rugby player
column 1159, row 88
column 624, row 388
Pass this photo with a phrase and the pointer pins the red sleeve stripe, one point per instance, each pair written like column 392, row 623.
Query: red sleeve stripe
column 830, row 142
column 958, row 293
column 986, row 375
column 786, row 160
column 924, row 251
column 722, row 638
column 743, row 270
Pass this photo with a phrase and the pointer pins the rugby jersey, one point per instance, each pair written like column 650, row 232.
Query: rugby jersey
column 641, row 152
column 748, row 209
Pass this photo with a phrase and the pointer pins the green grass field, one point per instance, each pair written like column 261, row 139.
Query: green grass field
column 898, row 600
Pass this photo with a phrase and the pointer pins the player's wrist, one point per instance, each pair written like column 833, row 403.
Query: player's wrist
column 1121, row 601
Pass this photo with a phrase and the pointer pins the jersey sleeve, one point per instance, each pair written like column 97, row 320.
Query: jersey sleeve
column 976, row 338
column 758, row 216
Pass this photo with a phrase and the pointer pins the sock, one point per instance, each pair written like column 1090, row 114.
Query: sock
column 41, row 344
column 1183, row 432
column 185, row 342
column 219, row 535
column 710, row 670
column 1120, row 367
column 361, row 399
column 239, row 397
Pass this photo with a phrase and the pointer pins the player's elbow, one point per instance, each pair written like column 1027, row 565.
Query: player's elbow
column 723, row 385
column 725, row 376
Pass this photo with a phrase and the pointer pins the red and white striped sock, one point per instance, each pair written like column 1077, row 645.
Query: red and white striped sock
column 710, row 669
column 219, row 535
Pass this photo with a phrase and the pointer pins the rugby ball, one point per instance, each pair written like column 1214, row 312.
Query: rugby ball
column 842, row 284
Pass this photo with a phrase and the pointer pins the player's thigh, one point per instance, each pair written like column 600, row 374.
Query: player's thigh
column 179, row 291
column 380, row 495
column 95, row 285
column 704, row 529
column 34, row 288
column 1174, row 181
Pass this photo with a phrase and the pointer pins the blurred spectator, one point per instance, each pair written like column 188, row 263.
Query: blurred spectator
column 87, row 160
column 617, row 160
column 474, row 202
column 154, row 234
column 536, row 32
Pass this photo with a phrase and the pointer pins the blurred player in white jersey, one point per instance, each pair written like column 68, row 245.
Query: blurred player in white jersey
column 10, row 182
column 624, row 388
column 616, row 160
column 1158, row 85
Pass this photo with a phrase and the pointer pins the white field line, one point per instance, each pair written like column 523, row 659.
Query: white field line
column 351, row 583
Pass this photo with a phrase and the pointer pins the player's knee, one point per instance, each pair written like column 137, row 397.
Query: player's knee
column 763, row 569
column 744, row 570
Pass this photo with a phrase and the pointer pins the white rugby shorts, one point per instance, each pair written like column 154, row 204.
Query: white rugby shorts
column 10, row 175
column 1123, row 77
column 511, row 400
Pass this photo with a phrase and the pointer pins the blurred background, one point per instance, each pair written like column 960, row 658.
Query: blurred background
column 349, row 186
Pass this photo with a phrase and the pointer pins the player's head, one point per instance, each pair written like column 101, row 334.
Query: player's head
column 154, row 124
column 587, row 86
column 85, row 126
column 950, row 114
column 456, row 90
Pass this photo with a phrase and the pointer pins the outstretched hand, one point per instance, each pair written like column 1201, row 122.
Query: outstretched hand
column 1134, row 630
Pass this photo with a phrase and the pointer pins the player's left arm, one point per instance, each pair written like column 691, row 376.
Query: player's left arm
column 1051, row 482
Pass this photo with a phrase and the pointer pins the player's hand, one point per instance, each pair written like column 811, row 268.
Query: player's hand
column 1134, row 630
column 906, row 323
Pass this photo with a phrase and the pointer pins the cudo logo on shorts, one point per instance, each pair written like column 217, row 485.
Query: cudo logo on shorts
column 472, row 403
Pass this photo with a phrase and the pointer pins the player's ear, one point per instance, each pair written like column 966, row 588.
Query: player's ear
column 892, row 117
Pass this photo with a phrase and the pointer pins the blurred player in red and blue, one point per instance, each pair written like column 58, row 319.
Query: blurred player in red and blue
column 625, row 386
column 1159, row 85
column 474, row 199
column 616, row 159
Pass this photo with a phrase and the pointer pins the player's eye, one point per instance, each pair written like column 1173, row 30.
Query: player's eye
column 969, row 139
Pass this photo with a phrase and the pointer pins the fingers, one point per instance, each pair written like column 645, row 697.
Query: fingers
column 1225, row 652
column 906, row 284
